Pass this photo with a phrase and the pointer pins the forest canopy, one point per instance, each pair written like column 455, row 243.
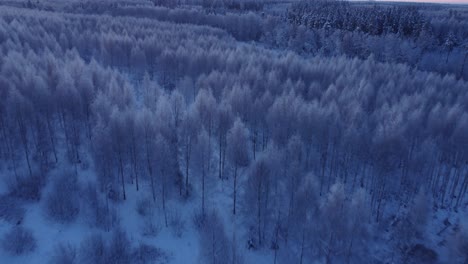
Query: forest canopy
column 307, row 133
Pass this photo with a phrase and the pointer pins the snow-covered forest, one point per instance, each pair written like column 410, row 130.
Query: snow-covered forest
column 233, row 131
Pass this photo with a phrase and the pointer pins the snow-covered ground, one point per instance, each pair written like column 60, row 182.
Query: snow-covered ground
column 181, row 250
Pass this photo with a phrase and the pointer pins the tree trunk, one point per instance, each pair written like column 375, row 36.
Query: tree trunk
column 62, row 120
column 254, row 142
column 276, row 247
column 333, row 158
column 328, row 255
column 259, row 213
column 51, row 136
column 121, row 175
column 431, row 175
column 164, row 197
column 435, row 182
column 88, row 122
column 462, row 191
column 187, row 164
column 235, row 190
column 455, row 184
column 224, row 157
column 150, row 170
column 463, row 64
column 24, row 140
column 135, row 169
column 379, row 201
column 348, row 254
column 203, row 191
column 9, row 149
column 75, row 142
column 264, row 139
column 220, row 154
column 213, row 246
column 323, row 160
column 267, row 194
column 302, row 247
column 208, row 167
column 445, row 183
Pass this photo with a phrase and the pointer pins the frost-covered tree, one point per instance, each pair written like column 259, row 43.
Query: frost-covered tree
column 119, row 140
column 224, row 122
column 459, row 244
column 411, row 227
column 215, row 245
column 333, row 232
column 64, row 253
column 202, row 160
column 419, row 213
column 63, row 201
column 256, row 200
column 188, row 135
column 238, row 155
column 93, row 249
column 119, row 250
column 19, row 241
column 20, row 107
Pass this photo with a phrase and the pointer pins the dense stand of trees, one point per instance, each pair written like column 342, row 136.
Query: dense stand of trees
column 411, row 34
column 172, row 110
column 375, row 20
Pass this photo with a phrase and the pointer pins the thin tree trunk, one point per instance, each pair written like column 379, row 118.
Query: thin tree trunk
column 9, row 150
column 135, row 169
column 276, row 246
column 267, row 194
column 455, row 184
column 431, row 176
column 88, row 123
column 264, row 139
column 224, row 157
column 203, row 191
column 463, row 64
column 220, row 155
column 76, row 142
column 235, row 190
column 308, row 152
column 164, row 197
column 462, row 190
column 435, row 184
column 65, row 131
column 348, row 255
column 23, row 132
column 358, row 170
column 187, row 164
column 121, row 175
column 323, row 160
column 445, row 183
column 254, row 142
column 259, row 188
column 332, row 173
column 379, row 201
column 208, row 168
column 302, row 247
column 329, row 250
column 213, row 246
column 150, row 169
column 51, row 136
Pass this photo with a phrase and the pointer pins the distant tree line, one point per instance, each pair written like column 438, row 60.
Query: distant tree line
column 406, row 21
column 401, row 34
column 370, row 19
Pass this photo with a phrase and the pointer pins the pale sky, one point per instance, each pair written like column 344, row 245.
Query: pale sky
column 434, row 1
